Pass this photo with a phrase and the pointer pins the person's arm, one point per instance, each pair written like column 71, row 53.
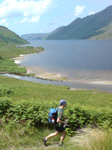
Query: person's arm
column 59, row 121
column 59, row 116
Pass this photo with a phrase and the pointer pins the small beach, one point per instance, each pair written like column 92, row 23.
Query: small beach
column 102, row 82
column 18, row 59
column 100, row 78
column 39, row 72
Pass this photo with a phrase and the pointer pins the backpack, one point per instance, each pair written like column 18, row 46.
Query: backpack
column 53, row 115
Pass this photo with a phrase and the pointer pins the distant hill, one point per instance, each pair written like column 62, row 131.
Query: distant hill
column 7, row 36
column 36, row 36
column 97, row 26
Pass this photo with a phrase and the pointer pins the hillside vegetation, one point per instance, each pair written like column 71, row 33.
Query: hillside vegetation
column 9, row 37
column 9, row 50
column 88, row 27
column 24, row 106
column 96, row 26
column 106, row 33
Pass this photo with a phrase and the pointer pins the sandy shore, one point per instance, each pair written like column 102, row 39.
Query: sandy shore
column 102, row 82
column 17, row 60
column 95, row 81
column 41, row 73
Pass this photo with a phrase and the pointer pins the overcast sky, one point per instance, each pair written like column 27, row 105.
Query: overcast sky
column 43, row 16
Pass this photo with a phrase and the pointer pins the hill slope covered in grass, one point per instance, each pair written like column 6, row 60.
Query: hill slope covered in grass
column 24, row 108
column 97, row 26
column 9, row 37
column 9, row 50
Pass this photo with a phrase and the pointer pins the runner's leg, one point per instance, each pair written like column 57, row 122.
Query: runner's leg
column 62, row 137
column 52, row 134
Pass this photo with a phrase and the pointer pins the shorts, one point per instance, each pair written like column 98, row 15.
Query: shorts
column 59, row 129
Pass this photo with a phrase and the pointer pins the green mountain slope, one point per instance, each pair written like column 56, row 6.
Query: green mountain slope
column 97, row 26
column 106, row 33
column 7, row 36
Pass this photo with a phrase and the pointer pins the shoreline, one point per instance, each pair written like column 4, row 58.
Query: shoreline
column 42, row 74
column 18, row 59
column 39, row 72
column 102, row 82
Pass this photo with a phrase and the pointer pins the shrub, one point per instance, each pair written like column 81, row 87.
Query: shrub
column 36, row 114
column 6, row 91
column 5, row 104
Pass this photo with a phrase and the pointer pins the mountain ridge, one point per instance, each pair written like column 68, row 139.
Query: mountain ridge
column 86, row 27
column 96, row 26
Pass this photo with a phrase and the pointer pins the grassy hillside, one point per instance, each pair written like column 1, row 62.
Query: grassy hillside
column 28, row 91
column 7, row 52
column 24, row 110
column 97, row 25
column 9, row 37
column 10, row 51
column 106, row 33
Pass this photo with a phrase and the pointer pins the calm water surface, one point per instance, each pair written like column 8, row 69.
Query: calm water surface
column 73, row 58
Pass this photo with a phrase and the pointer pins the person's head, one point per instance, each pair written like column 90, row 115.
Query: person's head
column 63, row 102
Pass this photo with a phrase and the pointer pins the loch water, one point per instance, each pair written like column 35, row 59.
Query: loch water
column 80, row 60
column 73, row 58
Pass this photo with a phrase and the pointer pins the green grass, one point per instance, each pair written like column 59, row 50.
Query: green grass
column 7, row 36
column 8, row 52
column 93, row 139
column 21, row 92
column 17, row 137
column 28, row 91
column 106, row 33
column 9, row 66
